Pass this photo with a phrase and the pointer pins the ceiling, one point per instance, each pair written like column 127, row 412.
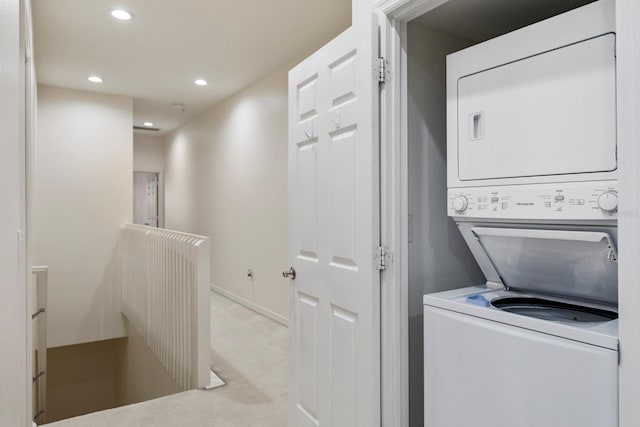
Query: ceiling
column 156, row 56
column 478, row 21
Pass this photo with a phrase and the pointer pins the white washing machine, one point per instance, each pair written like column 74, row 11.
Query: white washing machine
column 532, row 168
column 533, row 351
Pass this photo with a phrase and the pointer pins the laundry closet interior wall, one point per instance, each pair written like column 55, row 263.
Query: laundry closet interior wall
column 438, row 257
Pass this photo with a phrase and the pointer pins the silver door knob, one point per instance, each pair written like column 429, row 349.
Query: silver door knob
column 291, row 274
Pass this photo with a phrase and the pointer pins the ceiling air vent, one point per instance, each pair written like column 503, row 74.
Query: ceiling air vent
column 146, row 128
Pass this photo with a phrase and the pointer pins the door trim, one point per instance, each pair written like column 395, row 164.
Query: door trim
column 628, row 66
column 394, row 16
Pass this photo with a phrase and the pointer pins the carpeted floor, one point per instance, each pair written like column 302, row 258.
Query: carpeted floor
column 249, row 352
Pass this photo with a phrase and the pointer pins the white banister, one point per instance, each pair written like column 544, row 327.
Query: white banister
column 39, row 324
column 165, row 296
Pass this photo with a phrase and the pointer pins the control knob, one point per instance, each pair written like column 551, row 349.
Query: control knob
column 608, row 201
column 460, row 204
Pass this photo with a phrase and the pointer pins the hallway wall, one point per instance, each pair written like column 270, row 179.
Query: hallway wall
column 83, row 195
column 226, row 177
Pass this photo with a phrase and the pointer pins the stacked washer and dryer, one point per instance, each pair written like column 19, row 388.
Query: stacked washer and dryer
column 532, row 162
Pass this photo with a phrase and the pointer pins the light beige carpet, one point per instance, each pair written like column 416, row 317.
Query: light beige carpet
column 249, row 352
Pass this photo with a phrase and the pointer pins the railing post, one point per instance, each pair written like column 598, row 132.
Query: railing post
column 204, row 313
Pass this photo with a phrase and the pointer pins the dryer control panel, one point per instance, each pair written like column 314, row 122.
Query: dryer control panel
column 563, row 201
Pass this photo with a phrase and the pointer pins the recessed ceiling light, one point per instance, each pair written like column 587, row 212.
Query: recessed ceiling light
column 148, row 124
column 201, row 82
column 95, row 79
column 121, row 14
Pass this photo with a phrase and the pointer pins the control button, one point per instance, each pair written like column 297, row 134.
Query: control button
column 559, row 198
column 460, row 204
column 608, row 201
column 495, row 199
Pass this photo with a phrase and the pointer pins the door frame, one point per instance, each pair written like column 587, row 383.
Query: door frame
column 15, row 270
column 628, row 69
column 394, row 16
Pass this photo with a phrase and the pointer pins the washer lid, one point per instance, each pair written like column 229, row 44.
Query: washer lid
column 576, row 264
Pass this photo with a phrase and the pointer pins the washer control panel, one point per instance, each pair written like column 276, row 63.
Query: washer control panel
column 577, row 200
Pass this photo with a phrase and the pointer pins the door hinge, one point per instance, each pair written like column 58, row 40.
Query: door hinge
column 382, row 258
column 381, row 71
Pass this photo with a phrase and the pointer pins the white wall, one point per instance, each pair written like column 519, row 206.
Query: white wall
column 148, row 156
column 14, row 372
column 83, row 194
column 438, row 257
column 226, row 177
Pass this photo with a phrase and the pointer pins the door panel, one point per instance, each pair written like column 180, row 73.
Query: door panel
column 307, row 336
column 343, row 363
column 343, row 78
column 306, row 112
column 334, row 372
column 306, row 193
column 342, row 201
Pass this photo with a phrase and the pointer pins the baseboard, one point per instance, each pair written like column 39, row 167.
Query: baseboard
column 251, row 306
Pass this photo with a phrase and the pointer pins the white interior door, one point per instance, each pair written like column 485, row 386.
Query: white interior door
column 334, row 301
column 145, row 198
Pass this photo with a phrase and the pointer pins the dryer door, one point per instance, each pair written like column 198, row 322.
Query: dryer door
column 549, row 114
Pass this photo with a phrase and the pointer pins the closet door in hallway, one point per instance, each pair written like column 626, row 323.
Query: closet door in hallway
column 334, row 306
column 145, row 198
